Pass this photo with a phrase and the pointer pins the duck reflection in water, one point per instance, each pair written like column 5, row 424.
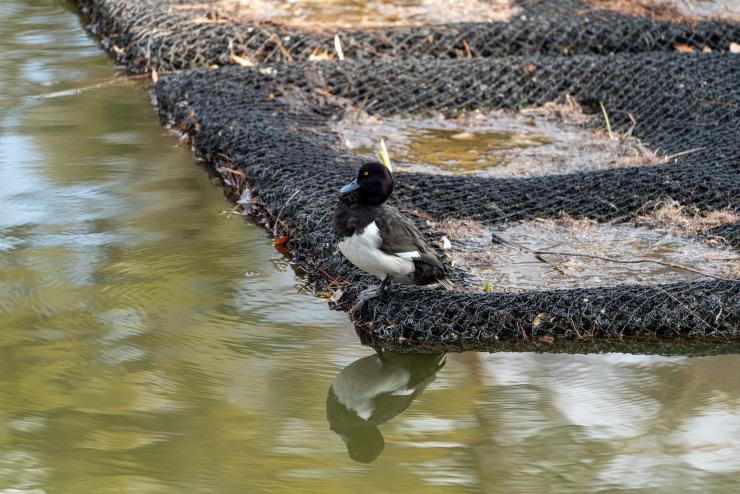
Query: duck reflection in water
column 371, row 391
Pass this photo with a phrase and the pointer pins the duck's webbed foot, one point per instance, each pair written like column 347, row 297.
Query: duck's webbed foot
column 368, row 294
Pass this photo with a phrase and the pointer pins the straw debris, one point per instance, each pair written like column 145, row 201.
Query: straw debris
column 669, row 215
column 652, row 9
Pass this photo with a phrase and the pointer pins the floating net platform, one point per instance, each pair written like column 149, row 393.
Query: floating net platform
column 273, row 134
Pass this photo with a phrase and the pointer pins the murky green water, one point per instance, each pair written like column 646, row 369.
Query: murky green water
column 137, row 355
column 533, row 142
column 460, row 152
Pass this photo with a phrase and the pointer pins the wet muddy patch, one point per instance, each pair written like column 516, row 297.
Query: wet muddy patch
column 568, row 253
column 671, row 10
column 553, row 139
column 318, row 14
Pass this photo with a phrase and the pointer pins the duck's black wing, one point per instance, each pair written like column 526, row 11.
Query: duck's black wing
column 401, row 237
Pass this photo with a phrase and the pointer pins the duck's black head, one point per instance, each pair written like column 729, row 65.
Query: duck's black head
column 364, row 443
column 364, row 440
column 374, row 184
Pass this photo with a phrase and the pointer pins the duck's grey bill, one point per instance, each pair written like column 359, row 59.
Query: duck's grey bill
column 353, row 185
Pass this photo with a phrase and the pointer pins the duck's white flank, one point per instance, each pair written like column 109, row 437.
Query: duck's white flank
column 370, row 379
column 363, row 250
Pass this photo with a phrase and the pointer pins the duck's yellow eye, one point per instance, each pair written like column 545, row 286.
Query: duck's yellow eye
column 366, row 173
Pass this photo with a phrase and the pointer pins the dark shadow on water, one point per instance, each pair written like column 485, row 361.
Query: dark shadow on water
column 371, row 391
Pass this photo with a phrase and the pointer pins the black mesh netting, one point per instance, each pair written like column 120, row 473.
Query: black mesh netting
column 156, row 33
column 271, row 125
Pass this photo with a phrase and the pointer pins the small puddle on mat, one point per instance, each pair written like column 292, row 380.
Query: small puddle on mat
column 319, row 14
column 506, row 268
column 541, row 141
column 459, row 152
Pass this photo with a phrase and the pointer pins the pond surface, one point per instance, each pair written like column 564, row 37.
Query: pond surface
column 149, row 345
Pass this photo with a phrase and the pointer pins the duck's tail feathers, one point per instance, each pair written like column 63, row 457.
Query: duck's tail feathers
column 447, row 284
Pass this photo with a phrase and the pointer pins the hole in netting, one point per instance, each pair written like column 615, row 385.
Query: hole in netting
column 552, row 139
column 492, row 265
column 368, row 13
column 671, row 10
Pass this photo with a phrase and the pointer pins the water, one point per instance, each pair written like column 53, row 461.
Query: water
column 137, row 355
column 459, row 152
column 510, row 268
column 536, row 141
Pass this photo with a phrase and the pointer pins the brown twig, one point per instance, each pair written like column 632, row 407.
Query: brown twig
column 280, row 46
column 277, row 218
column 633, row 124
column 686, row 307
column 79, row 90
column 631, row 261
column 683, row 153
column 110, row 82
column 468, row 51
column 523, row 248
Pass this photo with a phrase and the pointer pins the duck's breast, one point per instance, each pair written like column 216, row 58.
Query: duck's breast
column 363, row 250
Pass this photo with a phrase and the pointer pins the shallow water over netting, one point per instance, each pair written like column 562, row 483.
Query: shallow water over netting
column 579, row 254
column 549, row 140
